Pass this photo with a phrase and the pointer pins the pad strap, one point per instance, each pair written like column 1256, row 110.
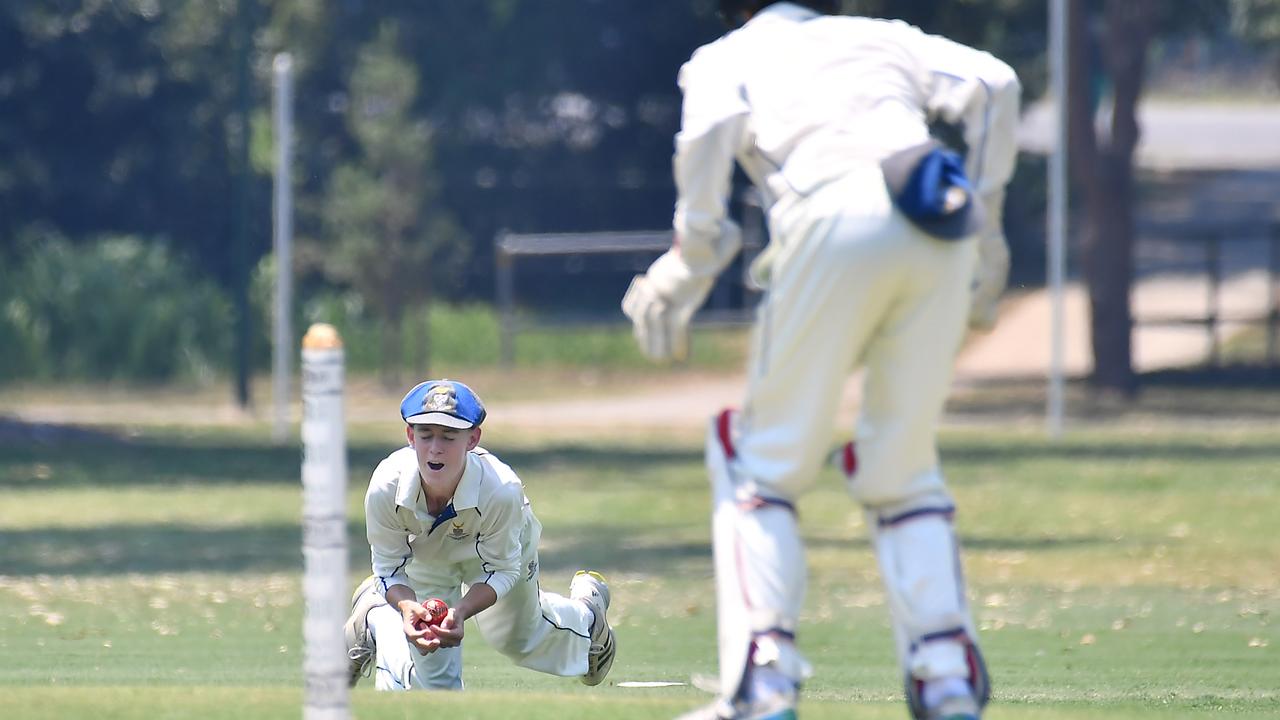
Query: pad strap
column 947, row 512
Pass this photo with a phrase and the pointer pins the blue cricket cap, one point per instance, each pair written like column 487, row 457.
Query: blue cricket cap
column 442, row 402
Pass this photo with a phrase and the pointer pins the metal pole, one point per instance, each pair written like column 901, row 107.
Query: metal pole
column 324, row 526
column 506, row 299
column 1213, row 265
column 283, row 246
column 1273, row 312
column 1057, row 215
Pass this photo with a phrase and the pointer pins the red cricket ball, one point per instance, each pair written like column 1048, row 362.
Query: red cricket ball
column 437, row 609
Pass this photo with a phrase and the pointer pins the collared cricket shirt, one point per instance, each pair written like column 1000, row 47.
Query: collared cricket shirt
column 479, row 537
column 853, row 91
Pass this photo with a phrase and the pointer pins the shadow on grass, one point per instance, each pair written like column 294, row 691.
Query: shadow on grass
column 165, row 548
column 1192, row 394
column 172, row 548
column 94, row 461
column 154, row 548
column 1182, row 450
column 636, row 552
column 102, row 460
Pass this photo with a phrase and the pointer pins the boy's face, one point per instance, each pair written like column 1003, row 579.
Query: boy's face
column 441, row 451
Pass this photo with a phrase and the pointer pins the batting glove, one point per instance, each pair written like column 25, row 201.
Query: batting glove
column 660, row 329
column 662, row 301
column 993, row 265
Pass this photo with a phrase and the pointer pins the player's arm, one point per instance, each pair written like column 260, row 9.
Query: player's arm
column 979, row 92
column 498, row 547
column 389, row 549
column 662, row 301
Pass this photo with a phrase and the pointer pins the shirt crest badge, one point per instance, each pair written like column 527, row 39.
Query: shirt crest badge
column 457, row 531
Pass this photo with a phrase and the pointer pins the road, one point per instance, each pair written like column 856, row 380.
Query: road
column 1184, row 136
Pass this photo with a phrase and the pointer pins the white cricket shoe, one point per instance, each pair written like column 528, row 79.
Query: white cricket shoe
column 591, row 588
column 360, row 646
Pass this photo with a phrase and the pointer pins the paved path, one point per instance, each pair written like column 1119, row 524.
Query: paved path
column 1184, row 136
column 1019, row 346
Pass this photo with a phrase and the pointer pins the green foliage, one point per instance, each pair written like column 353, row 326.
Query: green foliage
column 469, row 336
column 388, row 237
column 118, row 308
column 154, row 81
column 1258, row 20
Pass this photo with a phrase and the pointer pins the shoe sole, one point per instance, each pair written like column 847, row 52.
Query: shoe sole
column 606, row 666
column 602, row 589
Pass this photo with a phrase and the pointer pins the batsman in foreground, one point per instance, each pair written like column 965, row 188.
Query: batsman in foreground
column 443, row 514
column 884, row 246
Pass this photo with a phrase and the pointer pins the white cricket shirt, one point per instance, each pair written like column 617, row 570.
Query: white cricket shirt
column 477, row 538
column 799, row 98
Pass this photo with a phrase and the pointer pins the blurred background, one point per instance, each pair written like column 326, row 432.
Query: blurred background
column 137, row 154
column 473, row 184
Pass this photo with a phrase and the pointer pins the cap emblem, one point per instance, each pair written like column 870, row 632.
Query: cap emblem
column 440, row 399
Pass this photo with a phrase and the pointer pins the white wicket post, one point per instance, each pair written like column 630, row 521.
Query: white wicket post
column 324, row 526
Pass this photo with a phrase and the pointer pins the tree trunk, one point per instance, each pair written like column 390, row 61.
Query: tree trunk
column 1103, row 170
column 1109, row 274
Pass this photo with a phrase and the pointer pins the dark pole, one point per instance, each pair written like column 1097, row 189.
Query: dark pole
column 240, row 243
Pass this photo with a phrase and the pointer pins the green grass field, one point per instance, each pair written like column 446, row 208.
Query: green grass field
column 1125, row 572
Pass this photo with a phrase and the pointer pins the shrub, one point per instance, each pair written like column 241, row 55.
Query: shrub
column 115, row 308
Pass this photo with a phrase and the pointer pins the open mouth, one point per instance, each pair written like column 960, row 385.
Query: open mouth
column 435, row 466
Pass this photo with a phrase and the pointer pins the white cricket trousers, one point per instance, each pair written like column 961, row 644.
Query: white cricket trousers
column 538, row 630
column 853, row 284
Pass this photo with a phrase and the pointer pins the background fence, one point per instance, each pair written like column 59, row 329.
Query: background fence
column 731, row 302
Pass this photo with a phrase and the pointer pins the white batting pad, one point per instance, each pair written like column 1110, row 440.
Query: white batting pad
column 732, row 630
column 920, row 567
column 773, row 566
column 759, row 562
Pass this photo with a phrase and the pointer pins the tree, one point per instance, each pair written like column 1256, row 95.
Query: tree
column 151, row 81
column 1110, row 39
column 1259, row 22
column 389, row 237
column 154, row 83
column 1103, row 171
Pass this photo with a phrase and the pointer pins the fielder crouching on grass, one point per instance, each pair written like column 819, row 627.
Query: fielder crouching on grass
column 880, row 254
column 443, row 514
